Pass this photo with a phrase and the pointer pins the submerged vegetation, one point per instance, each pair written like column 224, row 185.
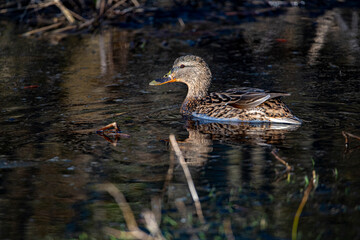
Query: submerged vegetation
column 155, row 220
column 158, row 223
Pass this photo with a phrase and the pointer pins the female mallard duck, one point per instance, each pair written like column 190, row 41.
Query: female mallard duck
column 239, row 104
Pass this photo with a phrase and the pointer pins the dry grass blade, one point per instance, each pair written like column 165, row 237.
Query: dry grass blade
column 127, row 213
column 152, row 225
column 227, row 229
column 311, row 185
column 124, row 206
column 181, row 22
column 189, row 180
column 118, row 234
column 156, row 208
column 135, row 232
column 169, row 174
column 180, row 205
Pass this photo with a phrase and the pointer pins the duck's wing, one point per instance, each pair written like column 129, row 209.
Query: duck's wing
column 242, row 97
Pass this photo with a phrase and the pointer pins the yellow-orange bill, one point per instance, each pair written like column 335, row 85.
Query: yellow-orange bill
column 162, row 81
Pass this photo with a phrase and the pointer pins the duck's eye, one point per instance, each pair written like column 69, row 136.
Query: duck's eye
column 182, row 66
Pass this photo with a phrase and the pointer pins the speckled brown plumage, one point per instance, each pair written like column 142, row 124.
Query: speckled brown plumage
column 239, row 104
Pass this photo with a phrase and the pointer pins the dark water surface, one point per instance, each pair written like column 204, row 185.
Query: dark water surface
column 54, row 97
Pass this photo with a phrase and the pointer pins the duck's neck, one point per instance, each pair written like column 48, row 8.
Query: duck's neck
column 195, row 93
column 188, row 106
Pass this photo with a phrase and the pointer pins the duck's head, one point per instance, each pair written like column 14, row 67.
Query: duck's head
column 191, row 70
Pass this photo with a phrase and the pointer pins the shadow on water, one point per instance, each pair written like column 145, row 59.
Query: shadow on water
column 54, row 98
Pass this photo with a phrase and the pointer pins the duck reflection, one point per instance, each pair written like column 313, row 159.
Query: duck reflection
column 199, row 144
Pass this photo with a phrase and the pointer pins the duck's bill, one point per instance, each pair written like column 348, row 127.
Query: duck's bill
column 162, row 81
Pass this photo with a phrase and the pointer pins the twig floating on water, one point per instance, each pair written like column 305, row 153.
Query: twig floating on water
column 111, row 125
column 117, row 134
column 288, row 167
column 347, row 135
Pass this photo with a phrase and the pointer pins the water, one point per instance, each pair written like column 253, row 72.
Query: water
column 54, row 98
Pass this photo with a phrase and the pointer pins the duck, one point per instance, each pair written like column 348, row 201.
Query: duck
column 244, row 104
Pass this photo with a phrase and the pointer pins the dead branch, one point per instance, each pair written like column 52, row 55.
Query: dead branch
column 65, row 11
column 110, row 10
column 136, row 3
column 64, row 29
column 38, row 6
column 77, row 16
